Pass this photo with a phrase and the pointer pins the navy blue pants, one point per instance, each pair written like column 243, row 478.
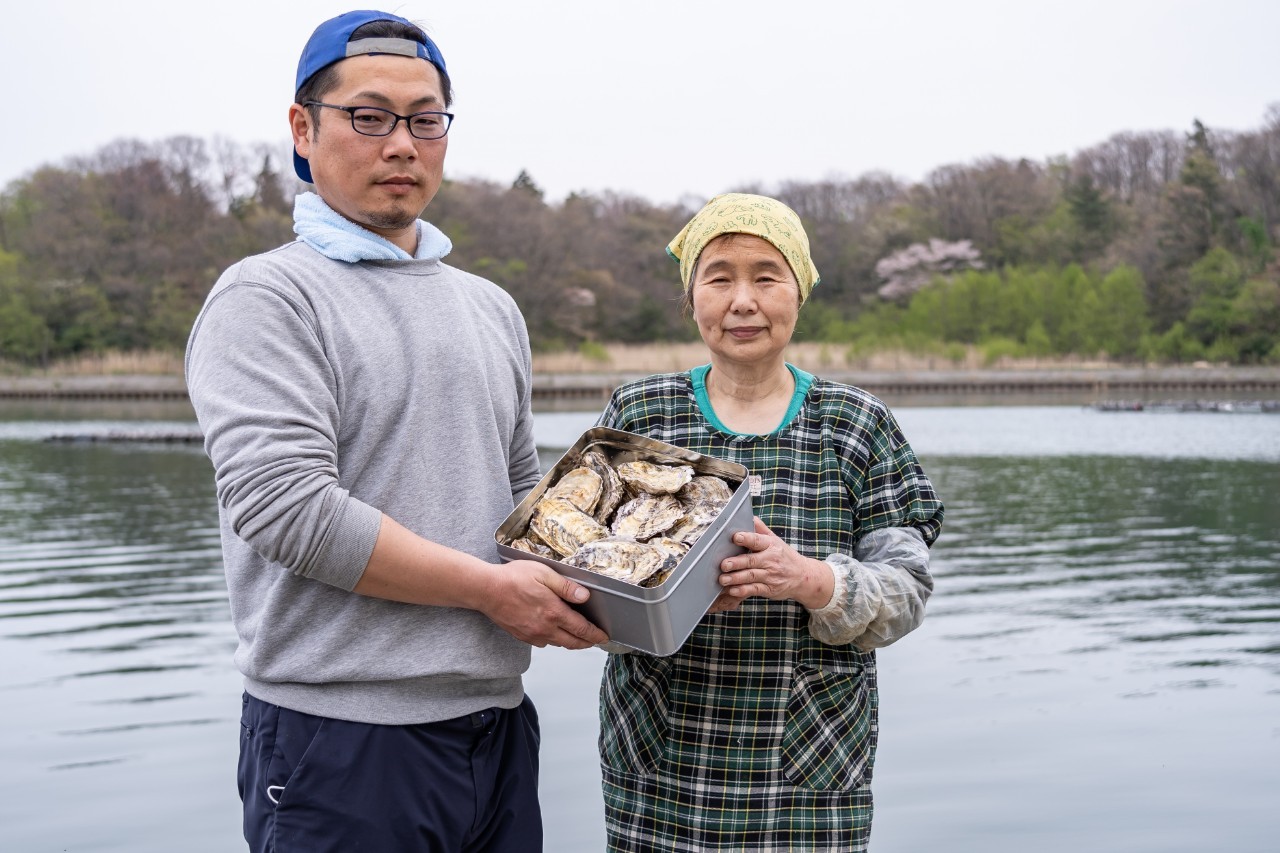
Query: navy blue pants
column 311, row 784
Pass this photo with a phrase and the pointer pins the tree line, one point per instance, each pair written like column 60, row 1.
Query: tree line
column 1157, row 245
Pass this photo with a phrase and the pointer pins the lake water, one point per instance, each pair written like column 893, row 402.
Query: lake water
column 1099, row 670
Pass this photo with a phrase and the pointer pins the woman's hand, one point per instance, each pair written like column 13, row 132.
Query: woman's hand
column 772, row 569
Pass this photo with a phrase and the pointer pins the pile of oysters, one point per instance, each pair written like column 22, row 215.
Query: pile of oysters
column 632, row 522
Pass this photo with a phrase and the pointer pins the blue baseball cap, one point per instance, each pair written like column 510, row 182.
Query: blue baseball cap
column 331, row 42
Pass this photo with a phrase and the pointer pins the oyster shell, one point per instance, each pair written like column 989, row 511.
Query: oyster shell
column 658, row 577
column 612, row 493
column 671, row 546
column 580, row 487
column 623, row 559
column 705, row 488
column 703, row 500
column 646, row 516
column 525, row 543
column 675, row 550
column 703, row 510
column 654, row 479
column 690, row 528
column 563, row 526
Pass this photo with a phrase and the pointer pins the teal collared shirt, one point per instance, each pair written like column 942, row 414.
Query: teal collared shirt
column 698, row 375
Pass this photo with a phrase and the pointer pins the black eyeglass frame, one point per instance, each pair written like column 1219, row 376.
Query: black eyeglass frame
column 408, row 123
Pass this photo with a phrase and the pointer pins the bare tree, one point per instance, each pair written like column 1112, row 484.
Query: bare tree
column 232, row 170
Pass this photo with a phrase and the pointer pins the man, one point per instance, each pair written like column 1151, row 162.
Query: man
column 366, row 410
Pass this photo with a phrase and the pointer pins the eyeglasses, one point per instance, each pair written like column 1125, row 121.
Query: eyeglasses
column 375, row 121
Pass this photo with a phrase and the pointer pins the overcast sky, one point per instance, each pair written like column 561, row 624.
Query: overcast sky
column 665, row 99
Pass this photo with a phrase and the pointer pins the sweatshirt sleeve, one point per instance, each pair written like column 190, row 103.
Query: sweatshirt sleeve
column 525, row 468
column 265, row 396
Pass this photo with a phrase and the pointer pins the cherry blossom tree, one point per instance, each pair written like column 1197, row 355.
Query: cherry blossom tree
column 908, row 270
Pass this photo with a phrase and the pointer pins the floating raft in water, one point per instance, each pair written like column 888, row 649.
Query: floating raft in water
column 140, row 435
column 1253, row 407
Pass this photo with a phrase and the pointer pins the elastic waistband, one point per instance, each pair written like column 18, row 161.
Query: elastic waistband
column 395, row 703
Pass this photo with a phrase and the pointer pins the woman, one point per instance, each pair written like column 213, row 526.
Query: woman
column 760, row 732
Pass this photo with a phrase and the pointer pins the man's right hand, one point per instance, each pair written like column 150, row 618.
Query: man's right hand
column 528, row 602
column 524, row 597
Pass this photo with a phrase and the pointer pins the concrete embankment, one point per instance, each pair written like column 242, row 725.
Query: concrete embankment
column 92, row 388
column 1077, row 384
column 592, row 389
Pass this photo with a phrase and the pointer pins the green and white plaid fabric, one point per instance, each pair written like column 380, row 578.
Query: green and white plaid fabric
column 755, row 736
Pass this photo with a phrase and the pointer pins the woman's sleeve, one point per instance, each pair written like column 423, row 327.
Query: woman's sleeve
column 881, row 588
column 612, row 414
column 880, row 591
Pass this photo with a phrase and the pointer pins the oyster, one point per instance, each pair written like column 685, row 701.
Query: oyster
column 703, row 500
column 646, row 516
column 671, row 546
column 623, row 559
column 611, row 490
column 580, row 487
column 525, row 543
column 676, row 550
column 563, row 526
column 690, row 528
column 702, row 512
column 705, row 489
column 654, row 479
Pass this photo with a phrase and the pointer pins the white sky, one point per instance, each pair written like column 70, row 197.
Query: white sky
column 667, row 98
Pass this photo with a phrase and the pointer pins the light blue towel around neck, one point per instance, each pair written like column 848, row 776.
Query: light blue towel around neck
column 334, row 236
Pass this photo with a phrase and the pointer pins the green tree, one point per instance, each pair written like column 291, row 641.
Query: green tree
column 1254, row 320
column 1255, row 245
column 1091, row 216
column 169, row 316
column 1194, row 202
column 1214, row 283
column 81, row 318
column 1122, row 320
column 24, row 337
column 1037, row 339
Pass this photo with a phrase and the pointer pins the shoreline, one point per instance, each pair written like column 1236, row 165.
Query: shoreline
column 595, row 386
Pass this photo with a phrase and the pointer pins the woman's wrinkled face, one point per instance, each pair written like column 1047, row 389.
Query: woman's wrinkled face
column 745, row 299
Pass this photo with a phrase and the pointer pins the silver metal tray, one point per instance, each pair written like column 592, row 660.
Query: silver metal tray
column 655, row 619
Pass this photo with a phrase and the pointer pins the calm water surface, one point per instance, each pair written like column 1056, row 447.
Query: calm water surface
column 1100, row 668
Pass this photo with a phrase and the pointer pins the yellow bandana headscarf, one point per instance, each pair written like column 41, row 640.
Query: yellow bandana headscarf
column 741, row 213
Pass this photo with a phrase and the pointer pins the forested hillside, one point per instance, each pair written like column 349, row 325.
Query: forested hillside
column 1147, row 246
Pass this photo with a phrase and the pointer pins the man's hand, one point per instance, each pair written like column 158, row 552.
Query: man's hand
column 528, row 602
column 524, row 598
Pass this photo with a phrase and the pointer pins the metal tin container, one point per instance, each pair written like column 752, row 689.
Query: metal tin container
column 658, row 619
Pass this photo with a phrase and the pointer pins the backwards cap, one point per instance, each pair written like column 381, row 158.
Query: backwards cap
column 331, row 42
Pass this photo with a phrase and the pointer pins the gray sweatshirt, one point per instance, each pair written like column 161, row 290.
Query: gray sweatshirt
column 331, row 392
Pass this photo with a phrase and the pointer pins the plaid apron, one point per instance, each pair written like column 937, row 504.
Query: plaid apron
column 754, row 736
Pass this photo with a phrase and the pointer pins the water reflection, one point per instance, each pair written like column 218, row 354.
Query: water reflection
column 1095, row 583
column 113, row 546
column 1176, row 560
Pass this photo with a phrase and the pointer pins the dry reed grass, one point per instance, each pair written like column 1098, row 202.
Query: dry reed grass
column 608, row 358
column 814, row 357
column 141, row 363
